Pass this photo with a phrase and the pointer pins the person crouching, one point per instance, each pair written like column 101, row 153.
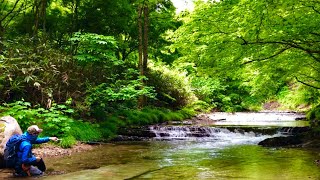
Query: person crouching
column 28, row 164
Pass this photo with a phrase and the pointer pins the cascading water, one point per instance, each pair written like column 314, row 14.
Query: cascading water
column 212, row 134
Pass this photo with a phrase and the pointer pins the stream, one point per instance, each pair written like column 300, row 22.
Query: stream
column 181, row 153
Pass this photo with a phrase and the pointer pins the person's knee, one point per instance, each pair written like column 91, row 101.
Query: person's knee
column 34, row 171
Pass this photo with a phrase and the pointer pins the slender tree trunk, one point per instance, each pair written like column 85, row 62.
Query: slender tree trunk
column 75, row 22
column 1, row 37
column 145, row 38
column 44, row 19
column 36, row 18
column 76, row 16
column 140, row 65
column 143, row 47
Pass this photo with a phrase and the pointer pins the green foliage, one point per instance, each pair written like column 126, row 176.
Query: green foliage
column 154, row 115
column 122, row 94
column 55, row 121
column 253, row 55
column 207, row 88
column 85, row 131
column 94, row 48
column 219, row 94
column 200, row 106
column 172, row 86
column 314, row 116
column 36, row 73
column 298, row 97
column 110, row 125
column 67, row 142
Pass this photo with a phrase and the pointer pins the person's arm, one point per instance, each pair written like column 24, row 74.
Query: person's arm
column 42, row 140
column 25, row 152
column 45, row 139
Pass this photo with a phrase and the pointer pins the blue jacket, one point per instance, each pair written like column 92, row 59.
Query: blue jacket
column 25, row 155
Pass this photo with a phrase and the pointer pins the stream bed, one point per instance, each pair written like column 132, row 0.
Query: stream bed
column 187, row 160
column 180, row 153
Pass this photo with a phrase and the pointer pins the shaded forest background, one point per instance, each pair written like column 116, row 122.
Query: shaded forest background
column 100, row 65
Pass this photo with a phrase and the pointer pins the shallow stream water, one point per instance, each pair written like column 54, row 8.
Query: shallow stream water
column 224, row 155
column 187, row 160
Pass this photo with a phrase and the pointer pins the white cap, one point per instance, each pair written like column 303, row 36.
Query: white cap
column 34, row 129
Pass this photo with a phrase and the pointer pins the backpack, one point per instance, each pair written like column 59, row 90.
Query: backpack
column 11, row 149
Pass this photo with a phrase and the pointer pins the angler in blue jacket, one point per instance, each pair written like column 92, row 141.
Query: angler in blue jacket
column 28, row 164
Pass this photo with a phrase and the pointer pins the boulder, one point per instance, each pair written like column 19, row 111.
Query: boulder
column 8, row 127
column 290, row 141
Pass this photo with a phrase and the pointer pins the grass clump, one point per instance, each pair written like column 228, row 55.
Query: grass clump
column 68, row 142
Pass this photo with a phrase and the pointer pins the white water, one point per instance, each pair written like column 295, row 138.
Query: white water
column 218, row 136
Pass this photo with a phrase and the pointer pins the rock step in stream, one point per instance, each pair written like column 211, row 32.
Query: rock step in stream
column 174, row 132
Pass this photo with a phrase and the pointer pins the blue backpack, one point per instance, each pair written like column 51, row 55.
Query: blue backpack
column 12, row 147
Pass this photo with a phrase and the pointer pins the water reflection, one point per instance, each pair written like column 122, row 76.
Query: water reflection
column 191, row 160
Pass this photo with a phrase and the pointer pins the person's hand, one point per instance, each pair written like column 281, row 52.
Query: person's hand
column 53, row 138
column 38, row 159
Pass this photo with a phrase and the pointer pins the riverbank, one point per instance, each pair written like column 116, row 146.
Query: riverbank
column 51, row 150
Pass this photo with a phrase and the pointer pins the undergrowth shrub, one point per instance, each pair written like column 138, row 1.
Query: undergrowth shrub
column 225, row 97
column 123, row 94
column 85, row 131
column 314, row 116
column 110, row 125
column 37, row 72
column 55, row 121
column 172, row 86
column 297, row 97
column 149, row 116
column 68, row 142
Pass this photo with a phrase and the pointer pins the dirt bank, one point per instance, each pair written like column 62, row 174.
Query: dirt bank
column 50, row 150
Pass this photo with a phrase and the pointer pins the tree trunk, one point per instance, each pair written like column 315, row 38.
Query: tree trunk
column 145, row 38
column 140, row 65
column 43, row 18
column 76, row 18
column 143, row 68
column 1, row 37
column 140, row 49
column 75, row 22
column 36, row 18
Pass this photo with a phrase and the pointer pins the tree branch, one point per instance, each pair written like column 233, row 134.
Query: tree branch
column 15, row 5
column 317, row 11
column 310, row 52
column 310, row 77
column 307, row 84
column 266, row 58
column 21, row 8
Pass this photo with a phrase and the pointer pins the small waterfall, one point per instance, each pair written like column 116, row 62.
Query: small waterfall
column 200, row 133
column 185, row 131
column 293, row 130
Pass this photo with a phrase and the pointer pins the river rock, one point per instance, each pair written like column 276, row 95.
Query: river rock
column 8, row 127
column 281, row 141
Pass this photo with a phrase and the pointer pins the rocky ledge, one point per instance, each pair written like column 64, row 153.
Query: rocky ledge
column 303, row 140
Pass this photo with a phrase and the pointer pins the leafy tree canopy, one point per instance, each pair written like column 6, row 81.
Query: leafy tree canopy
column 263, row 43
